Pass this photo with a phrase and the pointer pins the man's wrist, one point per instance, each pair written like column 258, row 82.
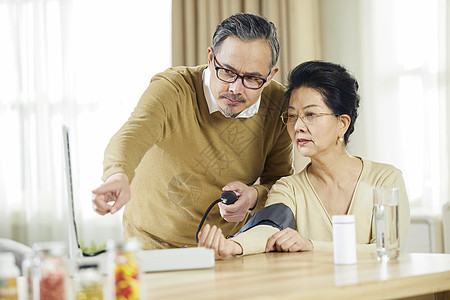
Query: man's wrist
column 254, row 201
column 117, row 176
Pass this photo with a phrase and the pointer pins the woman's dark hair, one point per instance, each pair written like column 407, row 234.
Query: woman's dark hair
column 339, row 89
column 248, row 27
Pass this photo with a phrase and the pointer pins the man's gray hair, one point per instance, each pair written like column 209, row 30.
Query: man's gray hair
column 248, row 27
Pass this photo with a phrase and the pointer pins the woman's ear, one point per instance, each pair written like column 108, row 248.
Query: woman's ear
column 344, row 123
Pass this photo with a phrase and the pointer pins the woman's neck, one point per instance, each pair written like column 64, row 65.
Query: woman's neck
column 332, row 169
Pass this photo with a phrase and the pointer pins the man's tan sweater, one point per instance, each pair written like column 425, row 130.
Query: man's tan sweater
column 178, row 156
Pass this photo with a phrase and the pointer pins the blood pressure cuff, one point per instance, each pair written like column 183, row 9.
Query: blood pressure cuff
column 278, row 215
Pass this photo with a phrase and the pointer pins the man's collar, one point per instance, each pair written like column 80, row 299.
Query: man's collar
column 212, row 103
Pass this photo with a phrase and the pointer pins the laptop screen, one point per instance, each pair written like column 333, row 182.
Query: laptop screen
column 74, row 245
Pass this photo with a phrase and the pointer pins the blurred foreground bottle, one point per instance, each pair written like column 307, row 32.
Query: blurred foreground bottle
column 8, row 276
column 49, row 271
column 88, row 282
column 126, row 270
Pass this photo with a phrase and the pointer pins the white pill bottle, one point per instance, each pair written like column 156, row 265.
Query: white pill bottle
column 8, row 276
column 344, row 239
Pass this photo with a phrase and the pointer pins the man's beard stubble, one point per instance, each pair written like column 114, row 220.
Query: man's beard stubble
column 228, row 110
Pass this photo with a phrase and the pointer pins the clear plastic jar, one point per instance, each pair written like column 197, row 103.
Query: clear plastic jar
column 88, row 282
column 51, row 273
column 126, row 270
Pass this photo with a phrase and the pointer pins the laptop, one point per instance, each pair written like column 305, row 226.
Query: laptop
column 150, row 260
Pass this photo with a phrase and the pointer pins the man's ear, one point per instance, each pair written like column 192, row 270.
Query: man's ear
column 274, row 71
column 210, row 56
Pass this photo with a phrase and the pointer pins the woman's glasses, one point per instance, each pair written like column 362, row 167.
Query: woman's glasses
column 309, row 118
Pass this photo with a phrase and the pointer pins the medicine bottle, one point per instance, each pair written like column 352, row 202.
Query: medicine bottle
column 126, row 270
column 344, row 239
column 88, row 282
column 51, row 273
column 8, row 276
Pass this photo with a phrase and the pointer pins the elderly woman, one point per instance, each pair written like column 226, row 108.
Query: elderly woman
column 323, row 106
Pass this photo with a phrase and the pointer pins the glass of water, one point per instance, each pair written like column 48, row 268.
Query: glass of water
column 385, row 212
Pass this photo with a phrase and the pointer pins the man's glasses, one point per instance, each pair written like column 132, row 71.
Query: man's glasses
column 229, row 76
column 309, row 118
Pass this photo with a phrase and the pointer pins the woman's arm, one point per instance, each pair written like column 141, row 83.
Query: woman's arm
column 213, row 238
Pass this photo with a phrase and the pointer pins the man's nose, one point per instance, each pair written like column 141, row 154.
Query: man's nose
column 237, row 86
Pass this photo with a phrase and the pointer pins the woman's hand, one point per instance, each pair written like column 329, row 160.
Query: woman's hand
column 288, row 240
column 212, row 238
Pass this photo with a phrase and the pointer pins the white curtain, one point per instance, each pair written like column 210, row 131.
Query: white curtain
column 405, row 105
column 399, row 52
column 76, row 62
column 34, row 82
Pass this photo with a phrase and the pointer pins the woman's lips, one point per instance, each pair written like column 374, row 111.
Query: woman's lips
column 302, row 142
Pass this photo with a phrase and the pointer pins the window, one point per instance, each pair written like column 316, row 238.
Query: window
column 405, row 102
column 82, row 63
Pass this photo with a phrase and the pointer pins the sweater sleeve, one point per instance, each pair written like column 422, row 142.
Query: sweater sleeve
column 154, row 118
column 278, row 164
column 279, row 158
column 255, row 239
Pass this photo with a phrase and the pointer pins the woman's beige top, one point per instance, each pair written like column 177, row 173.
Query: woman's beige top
column 314, row 222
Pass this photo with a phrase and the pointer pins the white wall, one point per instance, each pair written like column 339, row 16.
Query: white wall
column 341, row 43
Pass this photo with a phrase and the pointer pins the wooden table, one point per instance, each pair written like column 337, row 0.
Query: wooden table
column 307, row 275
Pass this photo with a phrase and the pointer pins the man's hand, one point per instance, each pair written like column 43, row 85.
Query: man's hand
column 115, row 189
column 212, row 238
column 247, row 198
column 288, row 240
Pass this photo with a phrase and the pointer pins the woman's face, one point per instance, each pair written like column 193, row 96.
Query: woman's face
column 317, row 129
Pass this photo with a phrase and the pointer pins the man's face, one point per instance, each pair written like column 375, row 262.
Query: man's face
column 244, row 58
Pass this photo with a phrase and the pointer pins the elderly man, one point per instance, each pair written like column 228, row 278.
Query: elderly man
column 198, row 131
